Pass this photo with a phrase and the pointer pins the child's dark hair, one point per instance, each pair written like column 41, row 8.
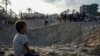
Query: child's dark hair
column 19, row 25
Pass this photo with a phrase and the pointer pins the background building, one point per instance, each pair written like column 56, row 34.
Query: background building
column 89, row 9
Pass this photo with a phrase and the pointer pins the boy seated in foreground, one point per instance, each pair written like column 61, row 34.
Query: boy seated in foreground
column 20, row 41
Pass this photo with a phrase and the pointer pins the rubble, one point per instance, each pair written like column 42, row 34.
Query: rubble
column 2, row 53
column 63, row 50
column 83, row 40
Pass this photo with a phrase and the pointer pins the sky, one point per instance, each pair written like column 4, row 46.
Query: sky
column 48, row 6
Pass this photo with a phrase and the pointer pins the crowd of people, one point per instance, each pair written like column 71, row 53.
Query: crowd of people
column 72, row 17
column 2, row 17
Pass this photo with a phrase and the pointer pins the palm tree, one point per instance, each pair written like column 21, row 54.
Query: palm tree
column 68, row 10
column 6, row 3
column 2, row 8
column 11, row 12
column 73, row 11
column 29, row 10
column 20, row 14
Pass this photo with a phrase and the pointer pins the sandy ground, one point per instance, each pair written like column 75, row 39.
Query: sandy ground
column 65, row 39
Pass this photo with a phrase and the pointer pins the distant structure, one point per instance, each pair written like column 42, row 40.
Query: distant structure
column 89, row 9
